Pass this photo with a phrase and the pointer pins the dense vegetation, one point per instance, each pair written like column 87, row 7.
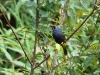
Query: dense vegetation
column 27, row 46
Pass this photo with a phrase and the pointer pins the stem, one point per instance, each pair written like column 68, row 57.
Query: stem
column 82, row 23
column 16, row 36
column 36, row 38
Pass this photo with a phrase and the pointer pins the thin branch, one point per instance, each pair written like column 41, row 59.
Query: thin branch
column 16, row 36
column 63, row 12
column 54, row 63
column 36, row 39
column 82, row 23
column 92, row 54
column 41, row 62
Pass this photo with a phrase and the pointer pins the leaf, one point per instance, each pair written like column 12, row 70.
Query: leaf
column 72, row 72
column 8, row 56
column 16, row 50
column 10, row 72
column 45, row 38
column 87, row 62
column 84, row 4
column 12, row 42
column 95, row 42
column 97, row 71
column 19, row 63
column 8, row 16
column 22, row 64
column 58, row 47
column 71, row 14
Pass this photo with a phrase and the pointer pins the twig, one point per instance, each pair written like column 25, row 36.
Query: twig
column 54, row 65
column 82, row 23
column 63, row 13
column 36, row 38
column 41, row 62
column 92, row 54
column 16, row 36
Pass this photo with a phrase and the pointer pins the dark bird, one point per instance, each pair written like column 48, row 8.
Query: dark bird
column 59, row 37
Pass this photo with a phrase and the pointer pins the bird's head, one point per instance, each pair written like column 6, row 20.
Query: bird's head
column 53, row 26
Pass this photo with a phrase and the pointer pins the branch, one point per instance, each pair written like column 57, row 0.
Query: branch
column 82, row 23
column 54, row 64
column 41, row 62
column 16, row 36
column 63, row 13
column 36, row 38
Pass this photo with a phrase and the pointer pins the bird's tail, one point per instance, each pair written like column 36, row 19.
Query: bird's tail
column 65, row 51
column 64, row 48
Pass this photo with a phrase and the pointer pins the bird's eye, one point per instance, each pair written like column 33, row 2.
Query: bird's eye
column 54, row 27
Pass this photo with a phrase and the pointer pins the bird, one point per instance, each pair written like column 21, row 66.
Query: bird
column 59, row 37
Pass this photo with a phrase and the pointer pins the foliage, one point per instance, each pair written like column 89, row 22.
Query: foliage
column 83, row 47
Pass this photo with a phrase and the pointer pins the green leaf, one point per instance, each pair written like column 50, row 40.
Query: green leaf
column 72, row 72
column 16, row 50
column 84, row 4
column 88, row 61
column 95, row 42
column 8, row 56
column 22, row 64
